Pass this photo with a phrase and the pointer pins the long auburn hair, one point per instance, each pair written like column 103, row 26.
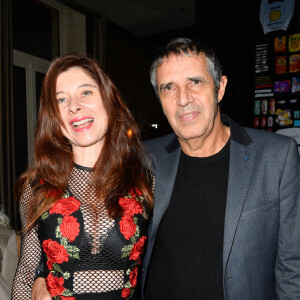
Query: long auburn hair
column 120, row 166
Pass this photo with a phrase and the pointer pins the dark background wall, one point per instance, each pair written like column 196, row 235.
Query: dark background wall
column 230, row 27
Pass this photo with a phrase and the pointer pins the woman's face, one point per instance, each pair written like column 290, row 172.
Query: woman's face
column 81, row 109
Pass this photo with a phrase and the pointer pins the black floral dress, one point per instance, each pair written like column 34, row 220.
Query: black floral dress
column 84, row 253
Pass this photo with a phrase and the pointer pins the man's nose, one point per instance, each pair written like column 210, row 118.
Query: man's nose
column 184, row 97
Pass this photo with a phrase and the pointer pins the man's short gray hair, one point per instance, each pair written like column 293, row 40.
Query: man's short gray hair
column 189, row 47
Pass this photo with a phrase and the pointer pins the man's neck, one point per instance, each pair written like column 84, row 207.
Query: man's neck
column 207, row 146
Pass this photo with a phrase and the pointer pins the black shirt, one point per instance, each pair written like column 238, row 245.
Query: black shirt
column 187, row 259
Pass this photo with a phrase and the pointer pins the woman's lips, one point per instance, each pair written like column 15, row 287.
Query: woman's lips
column 81, row 124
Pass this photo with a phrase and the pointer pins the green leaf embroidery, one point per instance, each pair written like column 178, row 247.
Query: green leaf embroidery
column 57, row 232
column 64, row 242
column 137, row 233
column 145, row 215
column 57, row 268
column 45, row 215
column 66, row 275
column 133, row 240
column 127, row 285
column 65, row 195
column 67, row 293
column 73, row 251
column 126, row 250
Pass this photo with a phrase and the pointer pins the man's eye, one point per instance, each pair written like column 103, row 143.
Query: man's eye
column 167, row 87
column 196, row 81
column 86, row 93
column 61, row 100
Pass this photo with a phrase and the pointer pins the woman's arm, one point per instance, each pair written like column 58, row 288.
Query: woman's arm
column 30, row 255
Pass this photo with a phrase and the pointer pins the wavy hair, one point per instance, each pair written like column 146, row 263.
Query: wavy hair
column 120, row 165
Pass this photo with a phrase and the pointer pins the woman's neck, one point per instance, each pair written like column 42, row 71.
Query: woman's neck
column 86, row 156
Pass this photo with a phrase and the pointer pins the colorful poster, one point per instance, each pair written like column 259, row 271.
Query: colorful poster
column 280, row 44
column 294, row 42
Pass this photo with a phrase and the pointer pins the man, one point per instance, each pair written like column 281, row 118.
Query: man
column 226, row 220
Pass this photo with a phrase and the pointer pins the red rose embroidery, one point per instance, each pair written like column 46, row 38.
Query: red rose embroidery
column 69, row 228
column 53, row 193
column 127, row 227
column 49, row 265
column 67, row 298
column 55, row 252
column 133, row 276
column 65, row 206
column 135, row 192
column 130, row 206
column 138, row 248
column 126, row 293
column 55, row 285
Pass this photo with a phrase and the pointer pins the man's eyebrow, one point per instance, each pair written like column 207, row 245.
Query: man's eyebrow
column 193, row 78
column 164, row 85
column 80, row 86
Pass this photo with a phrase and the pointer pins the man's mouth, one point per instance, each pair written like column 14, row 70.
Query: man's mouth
column 188, row 116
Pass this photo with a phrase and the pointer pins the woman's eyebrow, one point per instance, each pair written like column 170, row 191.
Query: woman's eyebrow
column 80, row 86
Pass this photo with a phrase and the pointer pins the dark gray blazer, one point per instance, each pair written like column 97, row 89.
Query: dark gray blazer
column 261, row 251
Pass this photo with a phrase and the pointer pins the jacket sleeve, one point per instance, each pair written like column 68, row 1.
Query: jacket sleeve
column 287, row 268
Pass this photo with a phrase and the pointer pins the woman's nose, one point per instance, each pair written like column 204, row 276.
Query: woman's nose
column 75, row 106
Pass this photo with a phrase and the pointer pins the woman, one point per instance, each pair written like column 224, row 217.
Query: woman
column 86, row 201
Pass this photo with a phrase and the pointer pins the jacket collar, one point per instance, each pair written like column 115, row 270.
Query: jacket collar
column 237, row 134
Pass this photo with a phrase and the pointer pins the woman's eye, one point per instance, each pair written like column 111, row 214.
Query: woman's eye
column 86, row 93
column 61, row 100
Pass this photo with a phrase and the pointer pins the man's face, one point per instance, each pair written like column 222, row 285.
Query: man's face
column 187, row 95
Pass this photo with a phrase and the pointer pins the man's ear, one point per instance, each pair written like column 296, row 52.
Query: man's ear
column 221, row 92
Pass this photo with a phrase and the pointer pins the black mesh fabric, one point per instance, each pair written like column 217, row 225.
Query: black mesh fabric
column 30, row 255
column 101, row 268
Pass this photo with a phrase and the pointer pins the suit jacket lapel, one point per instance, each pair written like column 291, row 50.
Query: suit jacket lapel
column 240, row 171
column 165, row 176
